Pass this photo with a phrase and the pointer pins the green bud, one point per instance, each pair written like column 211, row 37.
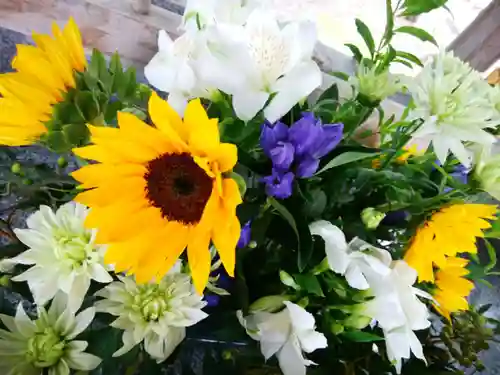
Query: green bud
column 227, row 355
column 27, row 181
column 336, row 328
column 303, row 302
column 5, row 280
column 288, row 280
column 322, row 267
column 371, row 217
column 16, row 168
column 268, row 304
column 252, row 245
column 62, row 162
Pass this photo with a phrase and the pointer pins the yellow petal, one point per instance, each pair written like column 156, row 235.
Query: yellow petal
column 73, row 40
column 203, row 132
column 231, row 194
column 135, row 129
column 199, row 257
column 227, row 156
column 96, row 153
column 93, row 175
column 168, row 121
column 114, row 191
column 225, row 236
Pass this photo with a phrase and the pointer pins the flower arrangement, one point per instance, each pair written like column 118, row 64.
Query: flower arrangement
column 230, row 205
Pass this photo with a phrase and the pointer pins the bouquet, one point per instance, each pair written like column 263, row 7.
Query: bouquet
column 235, row 217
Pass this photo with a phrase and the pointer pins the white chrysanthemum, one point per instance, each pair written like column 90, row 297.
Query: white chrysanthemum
column 375, row 86
column 154, row 313
column 63, row 254
column 487, row 171
column 46, row 345
column 452, row 100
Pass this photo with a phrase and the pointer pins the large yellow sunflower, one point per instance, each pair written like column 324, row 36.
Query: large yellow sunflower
column 43, row 74
column 157, row 190
column 450, row 231
column 452, row 288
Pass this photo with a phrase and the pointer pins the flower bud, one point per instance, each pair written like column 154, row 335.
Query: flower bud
column 5, row 280
column 336, row 328
column 357, row 321
column 62, row 162
column 288, row 280
column 322, row 267
column 268, row 304
column 371, row 217
column 16, row 168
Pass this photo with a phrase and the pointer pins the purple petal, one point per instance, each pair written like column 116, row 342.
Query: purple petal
column 395, row 217
column 279, row 186
column 212, row 300
column 331, row 137
column 304, row 134
column 307, row 167
column 271, row 134
column 245, row 235
column 282, row 156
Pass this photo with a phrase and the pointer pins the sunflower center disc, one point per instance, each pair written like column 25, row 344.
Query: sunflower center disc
column 178, row 187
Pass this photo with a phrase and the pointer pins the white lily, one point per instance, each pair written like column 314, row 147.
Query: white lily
column 398, row 311
column 287, row 335
column 199, row 14
column 62, row 253
column 352, row 260
column 452, row 100
column 46, row 345
column 154, row 313
column 278, row 61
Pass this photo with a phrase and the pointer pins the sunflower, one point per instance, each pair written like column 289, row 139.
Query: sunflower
column 157, row 190
column 452, row 288
column 44, row 72
column 450, row 231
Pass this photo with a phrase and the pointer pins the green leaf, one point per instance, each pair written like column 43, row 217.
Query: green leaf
column 346, row 158
column 97, row 64
column 404, row 62
column 76, row 134
column 417, row 32
column 389, row 27
column 367, row 36
column 358, row 56
column 361, row 336
column 494, row 231
column 57, row 142
column 316, row 203
column 493, row 256
column 309, row 283
column 330, row 93
column 285, row 214
column 341, row 75
column 410, row 57
column 416, row 7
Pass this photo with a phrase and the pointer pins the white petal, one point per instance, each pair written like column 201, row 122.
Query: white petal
column 160, row 72
column 178, row 101
column 58, row 305
column 194, row 315
column 155, row 346
column 335, row 244
column 298, row 84
column 99, row 273
column 175, row 337
column 80, row 287
column 355, row 277
column 312, row 340
column 66, row 280
column 65, row 322
column 300, row 318
column 416, row 346
column 165, row 43
column 24, row 324
column 248, row 103
column 82, row 361
column 9, row 322
column 128, row 344
column 35, row 273
column 274, row 331
column 302, row 39
column 83, row 320
column 61, row 368
column 461, row 153
column 291, row 360
column 77, row 346
column 27, row 257
column 441, row 148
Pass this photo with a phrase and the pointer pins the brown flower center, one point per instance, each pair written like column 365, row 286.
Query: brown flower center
column 178, row 187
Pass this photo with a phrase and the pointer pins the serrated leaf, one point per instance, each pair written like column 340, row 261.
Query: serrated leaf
column 410, row 57
column 361, row 336
column 366, row 34
column 309, row 283
column 358, row 56
column 417, row 32
column 346, row 158
column 416, row 7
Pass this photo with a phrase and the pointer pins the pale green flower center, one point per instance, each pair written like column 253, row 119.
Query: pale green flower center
column 75, row 248
column 151, row 302
column 45, row 348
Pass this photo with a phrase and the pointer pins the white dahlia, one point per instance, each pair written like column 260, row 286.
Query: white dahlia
column 154, row 313
column 46, row 345
column 62, row 253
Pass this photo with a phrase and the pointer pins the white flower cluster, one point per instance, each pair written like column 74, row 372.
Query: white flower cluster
column 258, row 52
column 395, row 305
column 64, row 260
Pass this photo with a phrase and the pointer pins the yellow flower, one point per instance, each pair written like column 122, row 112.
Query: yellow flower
column 408, row 151
column 450, row 231
column 452, row 287
column 157, row 190
column 44, row 72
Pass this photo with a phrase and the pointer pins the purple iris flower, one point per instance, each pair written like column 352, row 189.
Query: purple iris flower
column 212, row 300
column 279, row 185
column 395, row 217
column 282, row 155
column 245, row 235
column 296, row 150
